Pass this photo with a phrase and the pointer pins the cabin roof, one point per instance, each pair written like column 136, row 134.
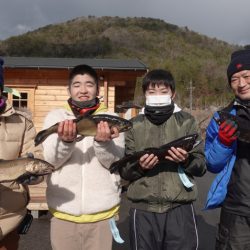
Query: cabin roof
column 102, row 64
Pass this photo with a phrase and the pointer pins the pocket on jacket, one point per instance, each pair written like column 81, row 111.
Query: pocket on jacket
column 222, row 238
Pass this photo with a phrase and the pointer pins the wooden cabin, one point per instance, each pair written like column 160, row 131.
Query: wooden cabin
column 42, row 84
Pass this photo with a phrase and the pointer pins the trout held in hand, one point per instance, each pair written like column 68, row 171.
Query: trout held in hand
column 21, row 169
column 87, row 126
column 186, row 142
column 243, row 124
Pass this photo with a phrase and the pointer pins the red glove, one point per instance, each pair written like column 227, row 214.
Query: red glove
column 227, row 132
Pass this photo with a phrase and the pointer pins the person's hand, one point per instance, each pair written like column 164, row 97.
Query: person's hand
column 104, row 133
column 177, row 155
column 148, row 161
column 228, row 132
column 67, row 131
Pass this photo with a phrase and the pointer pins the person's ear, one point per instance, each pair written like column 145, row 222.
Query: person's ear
column 173, row 95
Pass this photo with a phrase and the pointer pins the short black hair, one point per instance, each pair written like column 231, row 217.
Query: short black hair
column 83, row 69
column 157, row 77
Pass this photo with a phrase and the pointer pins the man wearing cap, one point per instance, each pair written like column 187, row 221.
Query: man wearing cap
column 229, row 157
column 17, row 135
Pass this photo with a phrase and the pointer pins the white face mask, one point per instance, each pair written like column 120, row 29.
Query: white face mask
column 158, row 100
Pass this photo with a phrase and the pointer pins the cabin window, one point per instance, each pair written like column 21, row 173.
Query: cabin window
column 20, row 102
column 26, row 99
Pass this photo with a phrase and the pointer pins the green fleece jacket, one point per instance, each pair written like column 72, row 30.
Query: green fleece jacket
column 160, row 189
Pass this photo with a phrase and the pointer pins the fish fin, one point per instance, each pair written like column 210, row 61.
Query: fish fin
column 79, row 138
column 152, row 148
column 80, row 117
column 197, row 143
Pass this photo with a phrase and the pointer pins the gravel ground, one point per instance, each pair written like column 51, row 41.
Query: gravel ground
column 38, row 237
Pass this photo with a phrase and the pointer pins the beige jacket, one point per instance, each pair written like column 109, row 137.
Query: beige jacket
column 17, row 134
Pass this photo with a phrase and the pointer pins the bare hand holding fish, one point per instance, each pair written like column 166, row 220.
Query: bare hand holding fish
column 177, row 155
column 67, row 130
column 21, row 169
column 86, row 126
column 174, row 154
column 105, row 133
column 184, row 145
column 148, row 161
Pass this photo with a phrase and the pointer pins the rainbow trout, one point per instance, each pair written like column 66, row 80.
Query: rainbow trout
column 186, row 142
column 243, row 124
column 21, row 169
column 87, row 125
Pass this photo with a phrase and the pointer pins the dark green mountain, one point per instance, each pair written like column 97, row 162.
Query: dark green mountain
column 190, row 56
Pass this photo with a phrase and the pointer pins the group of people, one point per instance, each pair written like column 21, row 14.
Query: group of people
column 84, row 197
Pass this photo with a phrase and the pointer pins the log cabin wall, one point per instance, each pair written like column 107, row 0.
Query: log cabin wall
column 44, row 89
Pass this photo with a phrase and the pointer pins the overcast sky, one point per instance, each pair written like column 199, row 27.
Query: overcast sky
column 226, row 20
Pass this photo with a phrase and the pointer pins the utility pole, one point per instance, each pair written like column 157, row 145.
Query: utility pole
column 191, row 88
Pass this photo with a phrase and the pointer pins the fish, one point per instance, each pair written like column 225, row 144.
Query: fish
column 186, row 142
column 21, row 169
column 87, row 126
column 243, row 124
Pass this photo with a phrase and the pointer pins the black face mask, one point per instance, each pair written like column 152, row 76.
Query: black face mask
column 83, row 107
column 159, row 114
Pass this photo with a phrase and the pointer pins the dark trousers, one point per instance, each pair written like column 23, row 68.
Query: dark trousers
column 234, row 232
column 10, row 241
column 173, row 230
